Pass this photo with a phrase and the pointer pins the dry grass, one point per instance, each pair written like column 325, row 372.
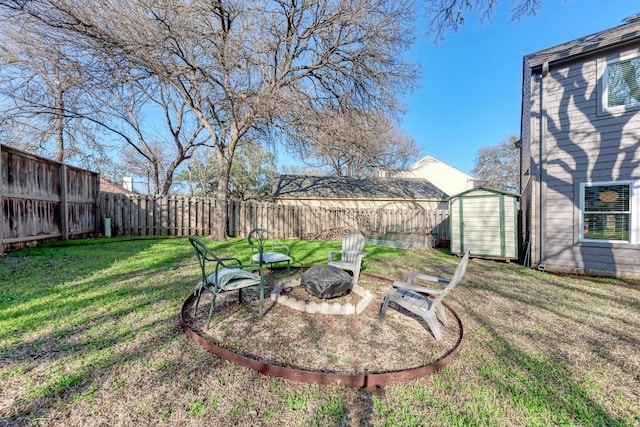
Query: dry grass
column 89, row 336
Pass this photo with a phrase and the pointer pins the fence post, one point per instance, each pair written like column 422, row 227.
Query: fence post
column 4, row 220
column 64, row 207
column 228, row 207
column 242, row 223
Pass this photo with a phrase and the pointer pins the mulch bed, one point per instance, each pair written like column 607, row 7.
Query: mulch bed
column 343, row 344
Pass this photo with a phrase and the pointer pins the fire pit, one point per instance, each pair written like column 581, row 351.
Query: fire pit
column 363, row 298
column 326, row 281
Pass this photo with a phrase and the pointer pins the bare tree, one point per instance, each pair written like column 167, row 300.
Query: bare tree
column 42, row 79
column 446, row 16
column 498, row 166
column 62, row 89
column 353, row 143
column 243, row 65
column 200, row 173
column 298, row 169
column 151, row 151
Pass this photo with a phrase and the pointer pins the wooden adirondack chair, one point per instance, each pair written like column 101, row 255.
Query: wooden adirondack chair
column 413, row 298
column 350, row 256
column 223, row 275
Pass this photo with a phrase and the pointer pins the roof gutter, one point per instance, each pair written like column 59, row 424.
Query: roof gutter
column 538, row 66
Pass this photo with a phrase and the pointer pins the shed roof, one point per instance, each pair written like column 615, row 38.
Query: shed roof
column 619, row 35
column 486, row 189
column 344, row 187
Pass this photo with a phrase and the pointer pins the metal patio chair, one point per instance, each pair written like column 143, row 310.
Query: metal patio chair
column 221, row 275
column 267, row 249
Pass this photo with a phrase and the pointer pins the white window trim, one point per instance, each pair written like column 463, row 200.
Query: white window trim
column 634, row 193
column 605, row 86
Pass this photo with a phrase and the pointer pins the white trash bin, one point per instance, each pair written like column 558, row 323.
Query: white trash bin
column 107, row 227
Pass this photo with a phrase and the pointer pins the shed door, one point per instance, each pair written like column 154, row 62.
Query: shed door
column 482, row 225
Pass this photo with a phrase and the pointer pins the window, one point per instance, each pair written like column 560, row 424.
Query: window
column 622, row 87
column 606, row 211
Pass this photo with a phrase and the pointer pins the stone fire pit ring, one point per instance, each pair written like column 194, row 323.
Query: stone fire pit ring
column 320, row 307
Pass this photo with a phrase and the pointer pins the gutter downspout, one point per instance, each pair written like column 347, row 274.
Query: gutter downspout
column 542, row 196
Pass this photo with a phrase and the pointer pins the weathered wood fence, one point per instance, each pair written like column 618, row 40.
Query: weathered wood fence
column 43, row 200
column 182, row 216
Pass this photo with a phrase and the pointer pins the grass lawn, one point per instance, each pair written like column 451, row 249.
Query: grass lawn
column 90, row 335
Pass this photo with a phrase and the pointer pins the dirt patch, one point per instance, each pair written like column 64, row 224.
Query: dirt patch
column 348, row 345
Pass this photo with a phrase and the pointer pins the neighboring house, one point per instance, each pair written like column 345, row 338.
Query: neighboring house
column 581, row 154
column 349, row 192
column 107, row 186
column 447, row 178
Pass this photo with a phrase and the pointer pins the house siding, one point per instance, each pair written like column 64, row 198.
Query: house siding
column 571, row 140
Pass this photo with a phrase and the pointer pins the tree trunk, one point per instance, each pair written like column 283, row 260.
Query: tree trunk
column 59, row 120
column 219, row 231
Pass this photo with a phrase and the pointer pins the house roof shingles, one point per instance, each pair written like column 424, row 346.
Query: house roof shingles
column 343, row 187
column 620, row 35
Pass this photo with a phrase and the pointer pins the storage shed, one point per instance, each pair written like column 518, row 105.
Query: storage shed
column 486, row 221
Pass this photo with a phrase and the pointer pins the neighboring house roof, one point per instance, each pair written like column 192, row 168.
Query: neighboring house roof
column 447, row 178
column 107, row 186
column 620, row 35
column 344, row 187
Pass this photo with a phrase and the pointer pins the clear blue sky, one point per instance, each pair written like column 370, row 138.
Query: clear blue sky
column 470, row 89
column 470, row 92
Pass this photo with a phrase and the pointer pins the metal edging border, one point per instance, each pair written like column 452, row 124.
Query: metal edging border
column 368, row 381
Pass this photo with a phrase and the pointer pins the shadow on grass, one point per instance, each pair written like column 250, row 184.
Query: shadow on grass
column 82, row 382
column 45, row 296
column 82, row 315
column 72, row 315
column 576, row 303
column 541, row 384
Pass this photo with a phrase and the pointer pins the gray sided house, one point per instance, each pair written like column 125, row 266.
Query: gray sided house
column 580, row 135
column 350, row 192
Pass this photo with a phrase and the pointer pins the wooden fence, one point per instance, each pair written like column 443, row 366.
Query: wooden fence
column 43, row 200
column 182, row 216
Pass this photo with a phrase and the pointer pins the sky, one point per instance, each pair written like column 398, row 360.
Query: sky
column 470, row 90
